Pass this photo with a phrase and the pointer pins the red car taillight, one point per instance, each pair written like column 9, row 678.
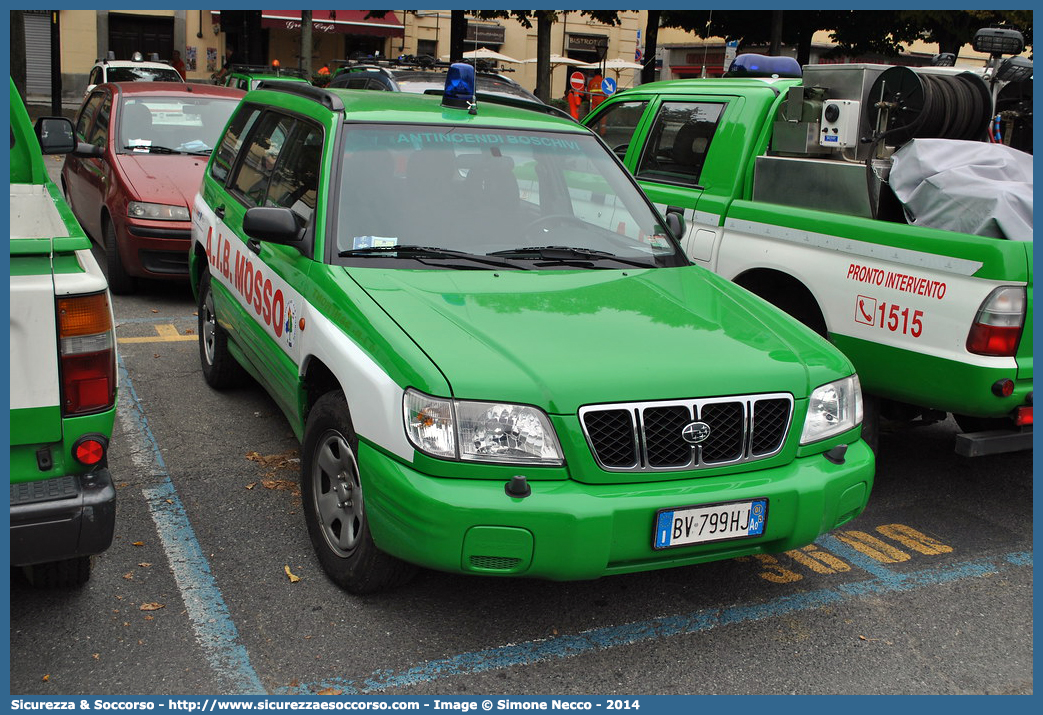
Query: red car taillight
column 997, row 327
column 87, row 348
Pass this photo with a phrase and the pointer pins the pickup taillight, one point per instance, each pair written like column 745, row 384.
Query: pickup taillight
column 87, row 348
column 997, row 327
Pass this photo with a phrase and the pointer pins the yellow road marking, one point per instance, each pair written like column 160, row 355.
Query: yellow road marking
column 164, row 334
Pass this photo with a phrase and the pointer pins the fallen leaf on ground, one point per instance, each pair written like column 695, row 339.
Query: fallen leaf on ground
column 138, row 543
column 330, row 691
column 151, row 606
column 292, row 577
column 285, row 485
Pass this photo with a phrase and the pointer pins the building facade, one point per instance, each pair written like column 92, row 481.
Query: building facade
column 263, row 36
column 202, row 38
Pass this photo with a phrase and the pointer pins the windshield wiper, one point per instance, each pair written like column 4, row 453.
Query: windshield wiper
column 153, row 148
column 423, row 252
column 565, row 254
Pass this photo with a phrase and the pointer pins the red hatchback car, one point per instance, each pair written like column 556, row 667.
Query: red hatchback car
column 133, row 191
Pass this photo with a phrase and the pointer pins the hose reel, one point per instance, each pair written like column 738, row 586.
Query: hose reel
column 911, row 105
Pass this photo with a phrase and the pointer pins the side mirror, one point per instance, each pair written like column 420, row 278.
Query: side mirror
column 55, row 135
column 675, row 224
column 272, row 223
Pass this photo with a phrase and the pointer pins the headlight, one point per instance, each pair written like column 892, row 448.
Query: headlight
column 832, row 409
column 157, row 212
column 496, row 432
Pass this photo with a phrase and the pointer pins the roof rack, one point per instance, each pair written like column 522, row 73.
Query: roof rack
column 326, row 99
column 268, row 69
column 513, row 102
column 423, row 62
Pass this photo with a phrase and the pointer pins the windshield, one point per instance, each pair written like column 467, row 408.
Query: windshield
column 181, row 123
column 491, row 191
column 143, row 74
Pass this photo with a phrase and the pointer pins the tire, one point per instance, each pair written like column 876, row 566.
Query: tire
column 69, row 573
column 220, row 369
column 120, row 283
column 334, row 507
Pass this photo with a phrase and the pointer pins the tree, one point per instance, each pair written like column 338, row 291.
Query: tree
column 756, row 28
column 651, row 43
column 953, row 29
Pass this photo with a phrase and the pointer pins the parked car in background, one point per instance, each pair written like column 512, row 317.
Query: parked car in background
column 150, row 143
column 247, row 77
column 395, row 77
column 136, row 69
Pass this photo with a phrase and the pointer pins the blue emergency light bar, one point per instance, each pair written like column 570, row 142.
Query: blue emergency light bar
column 751, row 65
column 459, row 86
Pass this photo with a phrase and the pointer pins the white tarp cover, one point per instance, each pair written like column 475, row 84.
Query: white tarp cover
column 966, row 186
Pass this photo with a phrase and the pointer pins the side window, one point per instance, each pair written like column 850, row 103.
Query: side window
column 679, row 141
column 95, row 76
column 617, row 124
column 90, row 108
column 295, row 181
column 262, row 154
column 231, row 142
column 99, row 135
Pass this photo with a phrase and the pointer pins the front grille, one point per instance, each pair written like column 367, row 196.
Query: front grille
column 647, row 436
column 494, row 563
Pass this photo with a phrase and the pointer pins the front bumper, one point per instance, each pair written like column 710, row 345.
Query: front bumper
column 567, row 530
column 62, row 517
column 156, row 249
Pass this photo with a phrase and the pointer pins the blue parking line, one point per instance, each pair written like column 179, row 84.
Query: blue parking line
column 561, row 647
column 214, row 629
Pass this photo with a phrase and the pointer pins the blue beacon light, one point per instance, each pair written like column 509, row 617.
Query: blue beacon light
column 459, row 87
column 752, row 65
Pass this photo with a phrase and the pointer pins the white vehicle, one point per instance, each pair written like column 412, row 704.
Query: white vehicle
column 136, row 69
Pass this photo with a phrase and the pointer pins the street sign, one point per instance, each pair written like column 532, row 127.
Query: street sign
column 608, row 85
column 576, row 80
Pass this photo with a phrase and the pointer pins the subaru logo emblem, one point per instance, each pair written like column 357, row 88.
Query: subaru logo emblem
column 695, row 432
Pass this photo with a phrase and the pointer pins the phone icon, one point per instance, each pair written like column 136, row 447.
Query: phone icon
column 865, row 310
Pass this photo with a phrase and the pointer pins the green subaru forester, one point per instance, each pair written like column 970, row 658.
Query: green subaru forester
column 496, row 357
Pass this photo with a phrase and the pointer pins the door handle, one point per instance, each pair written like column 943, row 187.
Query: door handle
column 220, row 211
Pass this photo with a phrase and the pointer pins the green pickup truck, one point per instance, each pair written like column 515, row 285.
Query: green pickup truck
column 63, row 371
column 779, row 181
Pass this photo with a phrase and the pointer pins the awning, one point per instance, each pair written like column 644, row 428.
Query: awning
column 345, row 22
